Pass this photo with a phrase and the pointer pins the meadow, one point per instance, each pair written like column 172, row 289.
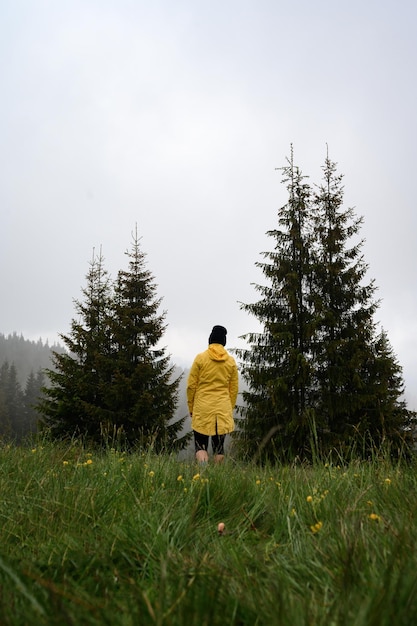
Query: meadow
column 132, row 539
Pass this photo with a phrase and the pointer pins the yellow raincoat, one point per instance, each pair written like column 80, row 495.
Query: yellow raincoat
column 212, row 391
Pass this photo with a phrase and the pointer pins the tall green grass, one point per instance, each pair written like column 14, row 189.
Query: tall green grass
column 132, row 539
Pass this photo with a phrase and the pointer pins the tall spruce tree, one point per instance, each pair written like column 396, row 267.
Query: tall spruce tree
column 142, row 397
column 358, row 378
column 345, row 305
column 277, row 365
column 75, row 401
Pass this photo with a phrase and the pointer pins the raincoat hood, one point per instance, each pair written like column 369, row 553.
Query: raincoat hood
column 217, row 352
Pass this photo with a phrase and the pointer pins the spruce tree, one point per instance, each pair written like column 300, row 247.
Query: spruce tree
column 11, row 404
column 359, row 381
column 143, row 395
column 5, row 421
column 344, row 305
column 74, row 403
column 32, row 396
column 385, row 417
column 277, row 365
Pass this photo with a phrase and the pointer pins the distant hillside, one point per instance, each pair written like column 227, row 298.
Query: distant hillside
column 30, row 356
column 27, row 356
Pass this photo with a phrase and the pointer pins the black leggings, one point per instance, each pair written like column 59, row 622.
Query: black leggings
column 201, row 442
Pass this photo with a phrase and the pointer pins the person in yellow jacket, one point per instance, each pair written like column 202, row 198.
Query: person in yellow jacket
column 212, row 389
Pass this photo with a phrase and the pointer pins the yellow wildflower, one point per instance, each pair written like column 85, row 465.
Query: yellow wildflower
column 258, row 482
column 316, row 527
column 65, row 462
column 196, row 477
column 309, row 498
column 388, row 481
column 180, row 478
column 88, row 462
column 151, row 474
column 374, row 517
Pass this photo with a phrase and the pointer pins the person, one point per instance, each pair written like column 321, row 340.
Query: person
column 212, row 388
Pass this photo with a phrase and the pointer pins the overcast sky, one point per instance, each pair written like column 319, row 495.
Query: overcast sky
column 175, row 116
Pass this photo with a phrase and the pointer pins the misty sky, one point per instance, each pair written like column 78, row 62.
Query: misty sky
column 175, row 116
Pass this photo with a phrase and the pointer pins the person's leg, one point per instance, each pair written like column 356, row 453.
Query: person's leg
column 202, row 456
column 217, row 441
column 201, row 445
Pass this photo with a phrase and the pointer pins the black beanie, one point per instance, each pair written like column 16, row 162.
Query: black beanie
column 218, row 335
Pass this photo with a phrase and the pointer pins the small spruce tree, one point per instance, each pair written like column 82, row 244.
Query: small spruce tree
column 74, row 403
column 6, row 430
column 32, row 396
column 11, row 404
column 385, row 417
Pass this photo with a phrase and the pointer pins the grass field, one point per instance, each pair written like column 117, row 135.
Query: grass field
column 133, row 539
